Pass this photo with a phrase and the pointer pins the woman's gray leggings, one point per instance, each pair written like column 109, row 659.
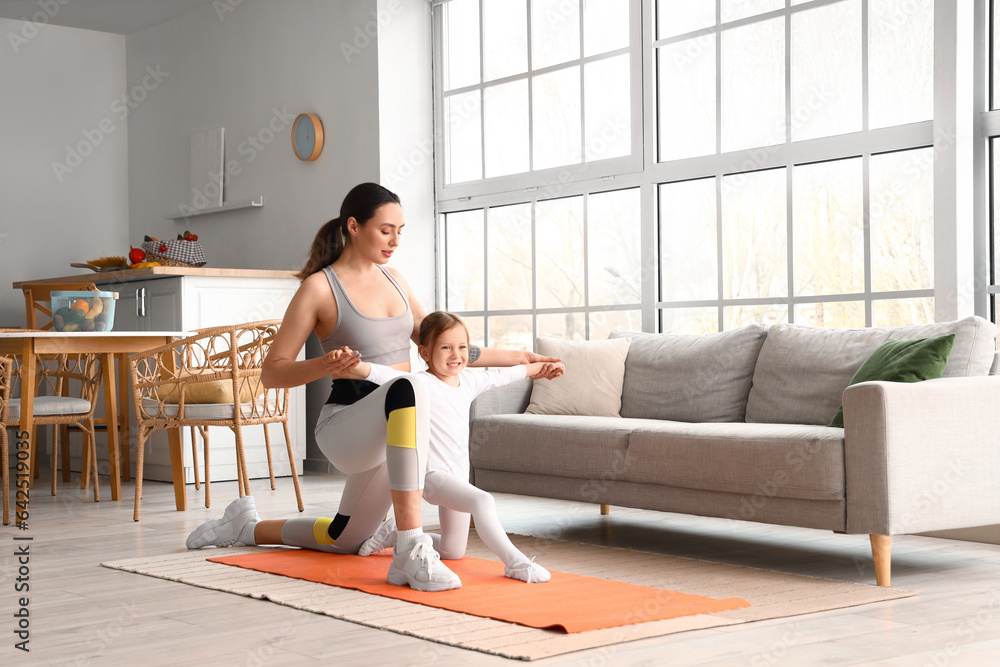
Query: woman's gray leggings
column 381, row 443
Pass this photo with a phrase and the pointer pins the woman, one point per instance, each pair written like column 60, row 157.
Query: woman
column 377, row 435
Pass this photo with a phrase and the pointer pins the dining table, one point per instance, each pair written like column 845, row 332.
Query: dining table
column 29, row 343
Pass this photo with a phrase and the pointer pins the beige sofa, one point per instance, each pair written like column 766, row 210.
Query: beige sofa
column 733, row 425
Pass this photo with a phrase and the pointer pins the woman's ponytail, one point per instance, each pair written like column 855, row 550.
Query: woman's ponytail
column 331, row 239
column 326, row 248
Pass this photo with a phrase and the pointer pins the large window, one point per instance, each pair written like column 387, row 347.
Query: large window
column 684, row 165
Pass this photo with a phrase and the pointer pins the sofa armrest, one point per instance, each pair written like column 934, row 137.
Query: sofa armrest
column 922, row 456
column 510, row 399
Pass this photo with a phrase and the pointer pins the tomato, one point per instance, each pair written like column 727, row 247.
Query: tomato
column 163, row 247
column 136, row 255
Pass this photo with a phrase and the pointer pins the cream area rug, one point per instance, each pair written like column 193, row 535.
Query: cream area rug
column 770, row 594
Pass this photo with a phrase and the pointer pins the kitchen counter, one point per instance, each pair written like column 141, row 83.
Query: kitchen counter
column 176, row 298
column 152, row 272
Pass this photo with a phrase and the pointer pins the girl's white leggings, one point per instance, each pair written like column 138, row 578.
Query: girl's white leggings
column 456, row 500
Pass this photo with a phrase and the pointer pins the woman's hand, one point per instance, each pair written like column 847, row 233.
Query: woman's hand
column 546, row 370
column 532, row 357
column 341, row 363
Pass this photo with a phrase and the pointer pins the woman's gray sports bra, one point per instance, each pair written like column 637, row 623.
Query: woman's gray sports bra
column 381, row 340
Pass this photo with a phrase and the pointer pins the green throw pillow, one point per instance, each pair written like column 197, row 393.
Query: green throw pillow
column 903, row 361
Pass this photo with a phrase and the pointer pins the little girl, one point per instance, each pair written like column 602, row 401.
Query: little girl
column 444, row 345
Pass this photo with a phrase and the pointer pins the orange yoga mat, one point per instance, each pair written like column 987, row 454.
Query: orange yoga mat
column 566, row 603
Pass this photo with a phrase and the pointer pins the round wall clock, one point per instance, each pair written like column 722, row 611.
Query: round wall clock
column 307, row 136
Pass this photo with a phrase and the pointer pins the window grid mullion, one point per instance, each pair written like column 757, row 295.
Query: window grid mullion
column 865, row 55
column 531, row 96
column 789, row 174
column 720, row 232
column 486, row 276
column 866, row 197
column 586, row 259
column 482, row 92
column 534, row 273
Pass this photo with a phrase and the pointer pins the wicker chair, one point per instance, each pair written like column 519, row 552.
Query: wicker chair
column 194, row 383
column 52, row 406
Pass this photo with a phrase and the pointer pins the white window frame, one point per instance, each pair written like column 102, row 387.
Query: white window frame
column 988, row 128
column 541, row 179
column 961, row 249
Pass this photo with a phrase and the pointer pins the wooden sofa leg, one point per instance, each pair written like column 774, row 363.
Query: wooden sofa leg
column 882, row 556
column 605, row 509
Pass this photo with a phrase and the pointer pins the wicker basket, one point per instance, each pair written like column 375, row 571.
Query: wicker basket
column 177, row 253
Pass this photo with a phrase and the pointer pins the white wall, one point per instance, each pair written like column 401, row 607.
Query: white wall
column 406, row 131
column 250, row 70
column 61, row 91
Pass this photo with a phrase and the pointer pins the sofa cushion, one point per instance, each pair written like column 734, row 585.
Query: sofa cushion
column 592, row 383
column 212, row 391
column 690, row 378
column 972, row 353
column 912, row 360
column 760, row 460
column 558, row 445
column 802, row 371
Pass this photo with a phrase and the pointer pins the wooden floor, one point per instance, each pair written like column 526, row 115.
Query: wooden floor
column 83, row 614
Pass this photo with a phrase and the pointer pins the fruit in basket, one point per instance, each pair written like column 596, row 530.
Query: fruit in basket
column 96, row 308
column 81, row 304
column 136, row 255
column 74, row 316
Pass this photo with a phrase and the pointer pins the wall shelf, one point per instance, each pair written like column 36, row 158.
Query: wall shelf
column 253, row 202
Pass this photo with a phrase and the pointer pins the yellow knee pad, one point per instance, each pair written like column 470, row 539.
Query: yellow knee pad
column 401, row 428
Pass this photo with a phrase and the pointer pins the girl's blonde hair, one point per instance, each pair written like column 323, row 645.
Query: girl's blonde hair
column 437, row 323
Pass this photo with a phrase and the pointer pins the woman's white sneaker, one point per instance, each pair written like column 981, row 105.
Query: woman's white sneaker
column 234, row 529
column 384, row 537
column 421, row 569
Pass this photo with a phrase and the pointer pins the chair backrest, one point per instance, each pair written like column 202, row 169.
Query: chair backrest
column 42, row 292
column 77, row 375
column 215, row 365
